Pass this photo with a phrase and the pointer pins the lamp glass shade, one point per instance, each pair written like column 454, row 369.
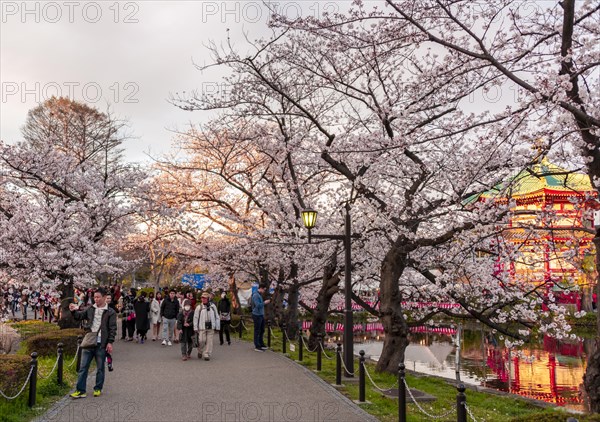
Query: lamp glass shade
column 309, row 218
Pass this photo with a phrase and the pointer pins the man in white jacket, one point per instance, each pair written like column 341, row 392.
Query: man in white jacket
column 206, row 322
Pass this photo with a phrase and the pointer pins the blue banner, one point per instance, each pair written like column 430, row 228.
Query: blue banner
column 194, row 280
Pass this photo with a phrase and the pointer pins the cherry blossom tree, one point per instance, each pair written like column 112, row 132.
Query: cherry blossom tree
column 406, row 155
column 67, row 197
column 549, row 52
column 385, row 100
column 240, row 194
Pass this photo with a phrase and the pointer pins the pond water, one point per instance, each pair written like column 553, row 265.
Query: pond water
column 547, row 369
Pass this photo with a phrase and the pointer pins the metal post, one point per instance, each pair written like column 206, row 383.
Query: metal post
column 348, row 319
column 461, row 401
column 338, row 364
column 241, row 327
column 59, row 370
column 284, row 338
column 300, row 346
column 361, row 377
column 401, row 393
column 78, row 364
column 269, row 333
column 319, row 357
column 33, row 379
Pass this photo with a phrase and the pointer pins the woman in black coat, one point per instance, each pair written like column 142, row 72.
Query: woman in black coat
column 142, row 320
column 224, row 309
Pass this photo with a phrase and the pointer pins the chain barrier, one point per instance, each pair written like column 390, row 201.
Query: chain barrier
column 243, row 325
column 423, row 410
column 286, row 336
column 74, row 358
column 22, row 389
column 324, row 354
column 469, row 412
column 235, row 326
column 375, row 385
column 346, row 369
column 48, row 376
column 306, row 347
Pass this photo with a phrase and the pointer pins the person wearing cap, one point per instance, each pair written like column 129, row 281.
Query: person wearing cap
column 185, row 325
column 206, row 322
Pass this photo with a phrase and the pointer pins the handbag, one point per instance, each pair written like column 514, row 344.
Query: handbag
column 90, row 340
column 225, row 316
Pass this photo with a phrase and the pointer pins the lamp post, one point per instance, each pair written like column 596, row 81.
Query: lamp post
column 309, row 218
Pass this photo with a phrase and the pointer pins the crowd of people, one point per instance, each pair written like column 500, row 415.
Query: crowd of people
column 188, row 317
column 40, row 303
column 183, row 318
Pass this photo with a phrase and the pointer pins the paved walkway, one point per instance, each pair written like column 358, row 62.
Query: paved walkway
column 151, row 383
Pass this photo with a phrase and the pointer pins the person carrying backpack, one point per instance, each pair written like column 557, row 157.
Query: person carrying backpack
column 258, row 317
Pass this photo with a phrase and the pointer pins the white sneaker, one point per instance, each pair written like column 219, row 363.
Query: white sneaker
column 164, row 343
column 169, row 344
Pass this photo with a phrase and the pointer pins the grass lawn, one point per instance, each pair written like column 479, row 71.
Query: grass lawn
column 484, row 406
column 48, row 391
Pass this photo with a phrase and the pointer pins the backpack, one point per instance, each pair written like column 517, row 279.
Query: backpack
column 251, row 302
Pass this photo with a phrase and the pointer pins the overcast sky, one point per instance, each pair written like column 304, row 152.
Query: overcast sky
column 130, row 55
column 126, row 54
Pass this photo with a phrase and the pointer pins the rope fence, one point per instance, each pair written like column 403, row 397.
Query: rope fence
column 74, row 358
column 51, row 372
column 307, row 349
column 286, row 335
column 429, row 415
column 469, row 412
column 346, row 369
column 375, row 385
column 34, row 374
column 463, row 412
column 22, row 388
column 324, row 353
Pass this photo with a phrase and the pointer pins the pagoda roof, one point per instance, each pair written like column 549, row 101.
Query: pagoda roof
column 537, row 235
column 537, row 180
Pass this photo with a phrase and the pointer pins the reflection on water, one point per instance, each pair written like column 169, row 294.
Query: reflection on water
column 549, row 370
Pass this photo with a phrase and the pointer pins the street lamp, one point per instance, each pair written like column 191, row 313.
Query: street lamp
column 309, row 218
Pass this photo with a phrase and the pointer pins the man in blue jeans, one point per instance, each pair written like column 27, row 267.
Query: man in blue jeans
column 258, row 316
column 102, row 319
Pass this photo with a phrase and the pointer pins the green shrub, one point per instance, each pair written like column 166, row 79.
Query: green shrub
column 45, row 344
column 14, row 370
column 32, row 327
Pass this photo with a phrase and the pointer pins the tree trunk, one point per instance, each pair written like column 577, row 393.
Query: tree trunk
column 276, row 307
column 394, row 326
column 291, row 313
column 329, row 287
column 235, row 298
column 591, row 379
column 586, row 299
column 66, row 319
